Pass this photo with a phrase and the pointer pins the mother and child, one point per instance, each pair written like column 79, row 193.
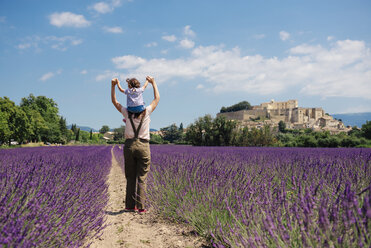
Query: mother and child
column 137, row 154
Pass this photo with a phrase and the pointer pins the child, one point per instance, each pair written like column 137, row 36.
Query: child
column 135, row 103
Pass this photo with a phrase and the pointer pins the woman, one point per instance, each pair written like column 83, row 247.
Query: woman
column 136, row 150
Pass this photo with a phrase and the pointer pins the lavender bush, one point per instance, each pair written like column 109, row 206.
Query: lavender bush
column 266, row 197
column 52, row 197
column 118, row 152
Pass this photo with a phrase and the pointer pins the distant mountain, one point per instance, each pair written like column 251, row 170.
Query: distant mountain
column 83, row 128
column 354, row 119
column 87, row 129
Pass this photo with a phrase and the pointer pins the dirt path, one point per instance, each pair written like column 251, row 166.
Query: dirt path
column 138, row 230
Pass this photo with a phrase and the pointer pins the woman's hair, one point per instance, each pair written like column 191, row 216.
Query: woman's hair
column 137, row 115
column 133, row 82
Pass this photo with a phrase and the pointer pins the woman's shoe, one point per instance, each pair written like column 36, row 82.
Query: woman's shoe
column 130, row 209
column 142, row 211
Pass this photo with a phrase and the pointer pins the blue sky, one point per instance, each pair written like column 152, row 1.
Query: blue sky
column 203, row 54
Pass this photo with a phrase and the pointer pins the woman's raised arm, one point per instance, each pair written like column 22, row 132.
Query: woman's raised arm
column 156, row 94
column 113, row 95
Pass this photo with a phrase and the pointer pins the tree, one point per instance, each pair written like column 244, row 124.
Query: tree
column 267, row 136
column 63, row 129
column 104, row 129
column 8, row 110
column 223, row 131
column 21, row 126
column 77, row 137
column 366, row 130
column 156, row 139
column 282, row 126
column 50, row 130
column 5, row 132
column 207, row 131
column 18, row 123
column 37, row 122
column 119, row 133
column 199, row 132
column 91, row 134
column 244, row 105
column 73, row 128
column 194, row 134
column 70, row 135
column 307, row 140
column 171, row 133
column 84, row 136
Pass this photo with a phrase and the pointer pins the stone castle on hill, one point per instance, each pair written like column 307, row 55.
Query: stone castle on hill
column 295, row 117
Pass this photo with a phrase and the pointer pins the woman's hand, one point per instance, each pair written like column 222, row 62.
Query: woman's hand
column 150, row 79
column 114, row 81
column 156, row 94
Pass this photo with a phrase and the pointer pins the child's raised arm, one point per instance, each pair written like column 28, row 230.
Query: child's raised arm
column 119, row 86
column 145, row 85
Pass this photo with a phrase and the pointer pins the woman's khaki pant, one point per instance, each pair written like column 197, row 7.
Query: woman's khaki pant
column 137, row 164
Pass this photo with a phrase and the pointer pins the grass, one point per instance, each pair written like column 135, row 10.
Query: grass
column 120, row 229
column 33, row 144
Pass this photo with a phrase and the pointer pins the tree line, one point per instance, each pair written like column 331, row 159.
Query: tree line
column 244, row 105
column 37, row 119
column 208, row 131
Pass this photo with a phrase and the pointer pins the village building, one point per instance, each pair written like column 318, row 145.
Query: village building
column 295, row 117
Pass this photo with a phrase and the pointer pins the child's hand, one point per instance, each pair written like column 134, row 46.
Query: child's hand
column 150, row 79
column 114, row 81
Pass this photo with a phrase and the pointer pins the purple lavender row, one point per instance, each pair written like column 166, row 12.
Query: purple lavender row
column 118, row 152
column 266, row 197
column 52, row 197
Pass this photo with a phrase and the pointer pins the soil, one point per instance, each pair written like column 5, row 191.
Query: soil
column 139, row 230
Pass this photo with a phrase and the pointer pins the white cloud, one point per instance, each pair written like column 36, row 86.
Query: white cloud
column 329, row 38
column 284, row 35
column 108, row 75
column 200, row 86
column 128, row 61
column 62, row 43
column 117, row 3
column 83, row 72
column 170, row 38
column 151, row 44
column 342, row 70
column 115, row 30
column 49, row 75
column 102, row 7
column 2, row 19
column 59, row 43
column 106, row 7
column 187, row 43
column 259, row 36
column 188, row 31
column 68, row 19
column 30, row 42
column 24, row 46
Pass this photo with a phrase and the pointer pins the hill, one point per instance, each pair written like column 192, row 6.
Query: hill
column 83, row 128
column 354, row 119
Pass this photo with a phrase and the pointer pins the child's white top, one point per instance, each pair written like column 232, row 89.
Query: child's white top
column 134, row 96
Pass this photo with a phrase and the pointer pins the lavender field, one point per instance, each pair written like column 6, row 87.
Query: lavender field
column 233, row 196
column 265, row 197
column 52, row 197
